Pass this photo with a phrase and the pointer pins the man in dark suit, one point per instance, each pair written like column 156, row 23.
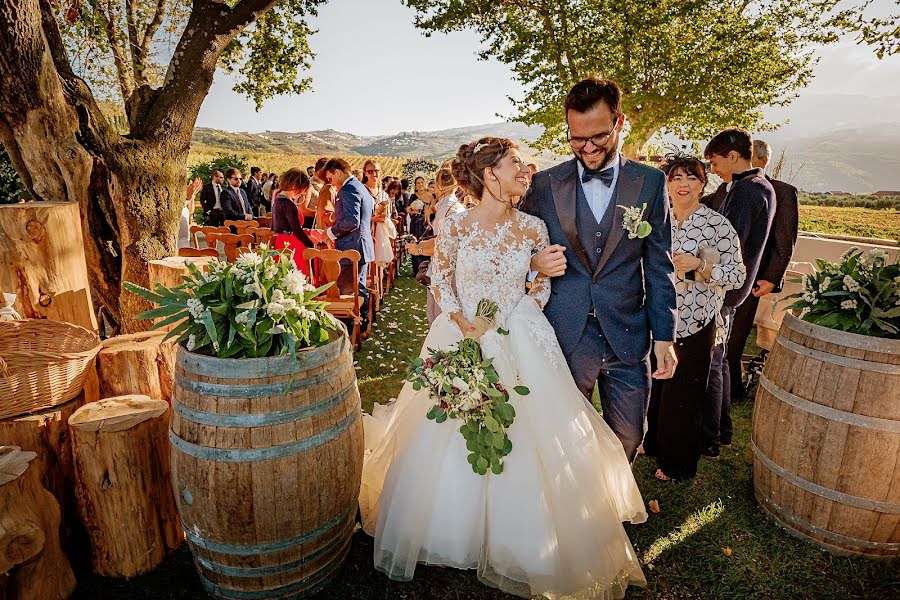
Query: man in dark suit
column 254, row 191
column 749, row 204
column 209, row 200
column 775, row 260
column 613, row 298
column 235, row 205
column 352, row 229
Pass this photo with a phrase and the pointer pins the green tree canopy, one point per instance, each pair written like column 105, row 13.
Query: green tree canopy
column 689, row 67
column 881, row 32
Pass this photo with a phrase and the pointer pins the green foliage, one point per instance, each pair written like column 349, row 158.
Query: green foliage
column 881, row 32
column 416, row 167
column 11, row 188
column 258, row 306
column 858, row 200
column 689, row 67
column 860, row 295
column 204, row 170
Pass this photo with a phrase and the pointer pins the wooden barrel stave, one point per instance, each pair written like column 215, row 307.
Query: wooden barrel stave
column 302, row 442
column 826, row 439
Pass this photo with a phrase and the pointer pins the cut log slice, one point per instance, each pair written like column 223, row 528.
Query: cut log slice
column 125, row 498
column 137, row 363
column 31, row 557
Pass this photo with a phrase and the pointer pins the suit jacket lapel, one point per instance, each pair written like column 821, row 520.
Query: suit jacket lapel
column 562, row 187
column 629, row 191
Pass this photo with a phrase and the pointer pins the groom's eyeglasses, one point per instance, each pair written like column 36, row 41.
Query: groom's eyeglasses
column 598, row 140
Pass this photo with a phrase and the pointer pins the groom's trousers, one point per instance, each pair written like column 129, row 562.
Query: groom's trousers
column 624, row 388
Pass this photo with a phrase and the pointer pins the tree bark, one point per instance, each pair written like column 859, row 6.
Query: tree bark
column 137, row 363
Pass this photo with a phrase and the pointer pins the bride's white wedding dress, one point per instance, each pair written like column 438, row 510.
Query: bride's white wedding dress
column 551, row 522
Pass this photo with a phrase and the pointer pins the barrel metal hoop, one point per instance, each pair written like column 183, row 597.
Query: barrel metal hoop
column 807, row 527
column 827, row 412
column 843, row 338
column 277, row 546
column 258, row 390
column 230, row 571
column 253, row 368
column 818, row 490
column 212, row 419
column 298, row 589
column 268, row 453
column 843, row 361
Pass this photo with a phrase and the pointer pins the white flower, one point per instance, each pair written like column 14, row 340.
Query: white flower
column 252, row 289
column 849, row 251
column 295, row 283
column 825, row 283
column 873, row 258
column 848, row 304
column 271, row 270
column 806, row 310
column 461, row 385
column 850, row 284
column 191, row 342
column 248, row 260
column 242, row 318
column 196, row 308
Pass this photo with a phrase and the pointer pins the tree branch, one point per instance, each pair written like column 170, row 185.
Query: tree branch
column 134, row 45
column 153, row 27
column 126, row 86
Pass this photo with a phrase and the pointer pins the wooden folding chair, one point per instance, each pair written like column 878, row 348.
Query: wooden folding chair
column 341, row 306
column 234, row 244
column 265, row 222
column 241, row 226
column 195, row 252
column 205, row 230
column 263, row 235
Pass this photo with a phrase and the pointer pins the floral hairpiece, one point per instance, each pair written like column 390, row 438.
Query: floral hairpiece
column 475, row 147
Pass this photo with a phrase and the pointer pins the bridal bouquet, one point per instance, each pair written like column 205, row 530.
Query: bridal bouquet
column 258, row 306
column 861, row 294
column 465, row 386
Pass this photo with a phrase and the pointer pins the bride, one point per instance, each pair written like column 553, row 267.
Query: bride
column 551, row 523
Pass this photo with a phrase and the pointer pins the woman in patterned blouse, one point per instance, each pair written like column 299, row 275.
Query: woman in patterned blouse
column 707, row 257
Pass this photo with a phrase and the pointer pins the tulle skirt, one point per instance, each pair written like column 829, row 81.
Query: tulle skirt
column 384, row 248
column 550, row 524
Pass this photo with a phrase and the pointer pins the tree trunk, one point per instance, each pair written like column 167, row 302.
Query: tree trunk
column 137, row 363
column 125, row 498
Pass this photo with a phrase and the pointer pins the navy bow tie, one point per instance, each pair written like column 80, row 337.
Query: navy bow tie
column 605, row 176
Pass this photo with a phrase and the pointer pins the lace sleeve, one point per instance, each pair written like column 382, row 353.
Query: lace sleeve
column 443, row 267
column 540, row 287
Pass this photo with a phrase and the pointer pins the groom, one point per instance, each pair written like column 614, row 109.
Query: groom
column 618, row 290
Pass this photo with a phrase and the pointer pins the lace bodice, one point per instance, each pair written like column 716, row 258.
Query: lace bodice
column 471, row 263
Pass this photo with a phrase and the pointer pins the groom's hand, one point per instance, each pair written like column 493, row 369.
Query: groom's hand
column 551, row 261
column 665, row 360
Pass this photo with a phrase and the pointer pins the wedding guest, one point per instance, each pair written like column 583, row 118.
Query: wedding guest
column 416, row 211
column 267, row 188
column 382, row 214
column 254, row 191
column 209, row 200
column 352, row 229
column 749, row 205
column 285, row 215
column 187, row 213
column 325, row 200
column 235, row 204
column 310, row 171
column 358, row 174
column 314, row 179
column 707, row 257
column 775, row 260
column 395, row 193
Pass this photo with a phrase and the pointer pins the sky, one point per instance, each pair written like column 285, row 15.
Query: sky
column 376, row 74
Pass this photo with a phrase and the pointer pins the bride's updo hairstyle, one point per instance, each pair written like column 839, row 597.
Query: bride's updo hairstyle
column 472, row 159
column 444, row 178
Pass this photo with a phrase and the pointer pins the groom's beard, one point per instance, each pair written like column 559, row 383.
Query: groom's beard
column 606, row 156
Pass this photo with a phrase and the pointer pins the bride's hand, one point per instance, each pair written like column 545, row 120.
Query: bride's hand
column 464, row 326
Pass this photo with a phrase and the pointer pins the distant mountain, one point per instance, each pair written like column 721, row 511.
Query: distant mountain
column 832, row 142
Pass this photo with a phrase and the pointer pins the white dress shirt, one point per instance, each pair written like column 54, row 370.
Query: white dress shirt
column 218, row 190
column 597, row 194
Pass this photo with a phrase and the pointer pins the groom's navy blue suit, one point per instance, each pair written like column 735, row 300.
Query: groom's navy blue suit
column 615, row 292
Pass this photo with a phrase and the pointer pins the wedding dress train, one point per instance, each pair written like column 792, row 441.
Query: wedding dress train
column 551, row 523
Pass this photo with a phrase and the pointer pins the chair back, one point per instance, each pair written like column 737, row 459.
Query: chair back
column 265, row 222
column 330, row 268
column 196, row 252
column 205, row 230
column 263, row 235
column 234, row 244
column 241, row 226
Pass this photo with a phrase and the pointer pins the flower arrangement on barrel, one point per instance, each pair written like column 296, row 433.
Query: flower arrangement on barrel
column 861, row 294
column 466, row 386
column 258, row 306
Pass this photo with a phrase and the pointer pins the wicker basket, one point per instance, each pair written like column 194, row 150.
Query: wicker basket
column 42, row 364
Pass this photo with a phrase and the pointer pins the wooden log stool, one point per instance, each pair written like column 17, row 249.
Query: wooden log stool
column 125, row 496
column 137, row 363
column 32, row 563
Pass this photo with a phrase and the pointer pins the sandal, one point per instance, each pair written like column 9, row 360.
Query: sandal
column 662, row 476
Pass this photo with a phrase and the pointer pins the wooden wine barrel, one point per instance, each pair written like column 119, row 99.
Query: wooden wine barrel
column 826, row 438
column 266, row 467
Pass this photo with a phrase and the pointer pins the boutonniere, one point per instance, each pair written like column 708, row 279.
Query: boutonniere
column 633, row 222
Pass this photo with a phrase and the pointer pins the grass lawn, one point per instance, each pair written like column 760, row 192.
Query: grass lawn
column 862, row 222
column 682, row 548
